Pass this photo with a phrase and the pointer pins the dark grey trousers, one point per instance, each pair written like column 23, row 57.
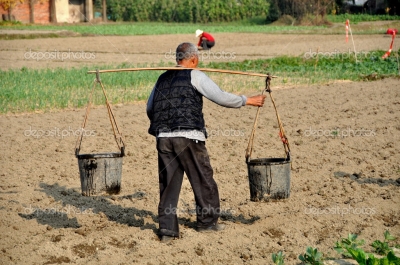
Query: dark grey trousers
column 207, row 44
column 177, row 155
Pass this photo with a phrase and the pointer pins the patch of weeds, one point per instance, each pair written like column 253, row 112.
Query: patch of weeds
column 349, row 242
column 28, row 36
column 350, row 246
column 363, row 258
column 278, row 258
column 312, row 257
column 383, row 248
column 10, row 23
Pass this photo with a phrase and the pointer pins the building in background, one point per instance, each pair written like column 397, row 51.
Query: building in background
column 46, row 11
column 366, row 6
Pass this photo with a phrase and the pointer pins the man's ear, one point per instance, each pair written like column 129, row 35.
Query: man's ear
column 195, row 61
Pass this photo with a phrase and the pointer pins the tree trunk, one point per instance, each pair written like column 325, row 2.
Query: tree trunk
column 88, row 10
column 9, row 18
column 53, row 17
column 104, row 11
column 31, row 11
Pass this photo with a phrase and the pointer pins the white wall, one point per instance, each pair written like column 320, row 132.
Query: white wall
column 62, row 11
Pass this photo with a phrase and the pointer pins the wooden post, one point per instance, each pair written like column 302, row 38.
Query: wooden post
column 104, row 11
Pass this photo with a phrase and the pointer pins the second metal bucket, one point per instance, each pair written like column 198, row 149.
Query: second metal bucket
column 269, row 178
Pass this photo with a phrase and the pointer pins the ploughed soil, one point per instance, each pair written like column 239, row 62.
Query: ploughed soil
column 146, row 50
column 345, row 174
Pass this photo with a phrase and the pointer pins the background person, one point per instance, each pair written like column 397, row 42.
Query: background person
column 176, row 118
column 206, row 40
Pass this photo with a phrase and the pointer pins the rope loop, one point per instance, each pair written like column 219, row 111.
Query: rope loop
column 117, row 134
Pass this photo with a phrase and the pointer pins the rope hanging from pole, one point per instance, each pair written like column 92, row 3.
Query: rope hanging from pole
column 282, row 134
column 117, row 134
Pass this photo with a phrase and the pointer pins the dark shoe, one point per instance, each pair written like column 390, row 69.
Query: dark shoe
column 165, row 239
column 167, row 232
column 213, row 228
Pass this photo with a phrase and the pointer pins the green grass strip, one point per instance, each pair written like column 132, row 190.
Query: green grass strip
column 320, row 68
column 28, row 90
column 356, row 18
column 157, row 28
column 253, row 25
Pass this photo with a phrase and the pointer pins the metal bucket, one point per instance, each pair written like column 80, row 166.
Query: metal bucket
column 269, row 178
column 100, row 173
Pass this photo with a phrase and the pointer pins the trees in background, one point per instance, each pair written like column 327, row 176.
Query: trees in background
column 194, row 11
column 203, row 11
column 8, row 5
column 299, row 9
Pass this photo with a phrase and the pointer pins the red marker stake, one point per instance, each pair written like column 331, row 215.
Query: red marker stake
column 391, row 46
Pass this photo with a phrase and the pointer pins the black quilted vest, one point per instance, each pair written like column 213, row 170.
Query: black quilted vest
column 177, row 105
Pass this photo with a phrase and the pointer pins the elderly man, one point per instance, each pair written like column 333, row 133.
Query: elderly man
column 176, row 119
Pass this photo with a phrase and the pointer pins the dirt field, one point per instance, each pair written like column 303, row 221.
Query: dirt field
column 112, row 50
column 345, row 178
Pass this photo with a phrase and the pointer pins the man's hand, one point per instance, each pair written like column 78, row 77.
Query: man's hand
column 257, row 101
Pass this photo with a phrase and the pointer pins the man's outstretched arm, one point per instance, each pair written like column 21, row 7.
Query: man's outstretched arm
column 257, row 101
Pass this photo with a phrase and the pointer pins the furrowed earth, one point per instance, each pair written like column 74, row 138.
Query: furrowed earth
column 345, row 176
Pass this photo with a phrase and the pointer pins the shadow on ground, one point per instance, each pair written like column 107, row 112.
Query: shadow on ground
column 73, row 203
column 358, row 178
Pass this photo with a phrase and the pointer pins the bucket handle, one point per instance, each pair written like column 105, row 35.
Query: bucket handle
column 117, row 134
column 282, row 134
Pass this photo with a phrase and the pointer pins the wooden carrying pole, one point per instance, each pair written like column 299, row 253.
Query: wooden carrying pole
column 179, row 68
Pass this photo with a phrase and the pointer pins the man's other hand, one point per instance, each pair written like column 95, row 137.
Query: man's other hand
column 257, row 101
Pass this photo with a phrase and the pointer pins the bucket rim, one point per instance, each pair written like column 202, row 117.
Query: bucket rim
column 269, row 161
column 99, row 155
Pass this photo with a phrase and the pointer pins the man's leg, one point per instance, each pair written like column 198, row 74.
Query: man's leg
column 196, row 163
column 170, row 181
